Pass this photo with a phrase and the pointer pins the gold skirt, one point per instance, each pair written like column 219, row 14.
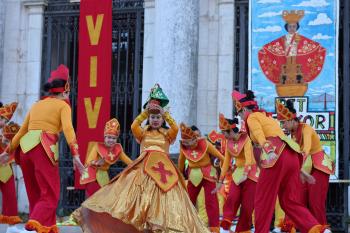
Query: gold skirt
column 133, row 203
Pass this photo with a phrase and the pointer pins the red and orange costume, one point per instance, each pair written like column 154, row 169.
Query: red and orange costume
column 7, row 180
column 245, row 175
column 97, row 177
column 279, row 175
column 201, row 173
column 38, row 141
column 316, row 163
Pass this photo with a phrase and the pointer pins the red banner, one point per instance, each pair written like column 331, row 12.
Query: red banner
column 94, row 73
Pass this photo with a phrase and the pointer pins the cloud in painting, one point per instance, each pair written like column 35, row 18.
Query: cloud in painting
column 313, row 3
column 268, row 1
column 270, row 14
column 321, row 19
column 268, row 29
column 320, row 36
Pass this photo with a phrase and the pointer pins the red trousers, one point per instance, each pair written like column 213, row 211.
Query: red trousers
column 240, row 195
column 92, row 188
column 314, row 196
column 211, row 200
column 42, row 182
column 9, row 199
column 282, row 180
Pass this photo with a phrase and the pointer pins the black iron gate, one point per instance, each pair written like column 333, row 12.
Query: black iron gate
column 60, row 46
column 337, row 202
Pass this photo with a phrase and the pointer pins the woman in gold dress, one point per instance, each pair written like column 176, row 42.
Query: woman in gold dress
column 150, row 194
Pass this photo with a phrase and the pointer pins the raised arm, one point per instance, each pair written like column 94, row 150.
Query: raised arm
column 172, row 132
column 136, row 128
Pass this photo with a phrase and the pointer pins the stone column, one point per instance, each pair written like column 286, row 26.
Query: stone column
column 207, row 96
column 148, row 48
column 174, row 56
column 2, row 34
column 226, row 53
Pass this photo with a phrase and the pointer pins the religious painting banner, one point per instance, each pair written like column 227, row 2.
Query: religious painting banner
column 94, row 73
column 293, row 54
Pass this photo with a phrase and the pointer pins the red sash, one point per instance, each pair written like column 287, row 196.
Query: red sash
column 49, row 142
column 262, row 158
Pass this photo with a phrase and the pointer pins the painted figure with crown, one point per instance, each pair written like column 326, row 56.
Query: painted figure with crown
column 280, row 160
column 316, row 163
column 7, row 180
column 293, row 60
column 101, row 157
column 201, row 173
column 37, row 142
column 245, row 175
column 150, row 194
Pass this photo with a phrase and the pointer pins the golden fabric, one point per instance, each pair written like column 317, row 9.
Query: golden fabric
column 50, row 115
column 133, row 202
column 260, row 127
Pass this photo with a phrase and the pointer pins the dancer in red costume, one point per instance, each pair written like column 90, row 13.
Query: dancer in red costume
column 7, row 180
column 101, row 157
column 317, row 163
column 245, row 175
column 280, row 160
column 38, row 141
column 201, row 172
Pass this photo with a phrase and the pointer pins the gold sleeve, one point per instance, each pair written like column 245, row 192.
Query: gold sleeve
column 22, row 131
column 123, row 157
column 307, row 140
column 172, row 132
column 68, row 130
column 181, row 162
column 248, row 154
column 256, row 129
column 136, row 128
column 226, row 165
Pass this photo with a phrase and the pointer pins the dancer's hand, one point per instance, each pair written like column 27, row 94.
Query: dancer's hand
column 307, row 178
column 4, row 158
column 98, row 163
column 271, row 156
column 218, row 187
column 77, row 164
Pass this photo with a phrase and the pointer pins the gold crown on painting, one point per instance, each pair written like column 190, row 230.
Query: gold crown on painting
column 293, row 16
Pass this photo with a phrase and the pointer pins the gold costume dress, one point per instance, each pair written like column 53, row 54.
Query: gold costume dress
column 148, row 196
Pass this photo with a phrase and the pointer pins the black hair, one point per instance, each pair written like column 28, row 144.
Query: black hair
column 231, row 122
column 290, row 106
column 194, row 128
column 55, row 84
column 286, row 26
column 249, row 97
column 1, row 104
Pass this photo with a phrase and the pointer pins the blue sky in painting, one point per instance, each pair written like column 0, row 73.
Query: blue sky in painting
column 319, row 24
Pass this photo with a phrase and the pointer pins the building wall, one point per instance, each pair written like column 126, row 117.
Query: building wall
column 20, row 63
